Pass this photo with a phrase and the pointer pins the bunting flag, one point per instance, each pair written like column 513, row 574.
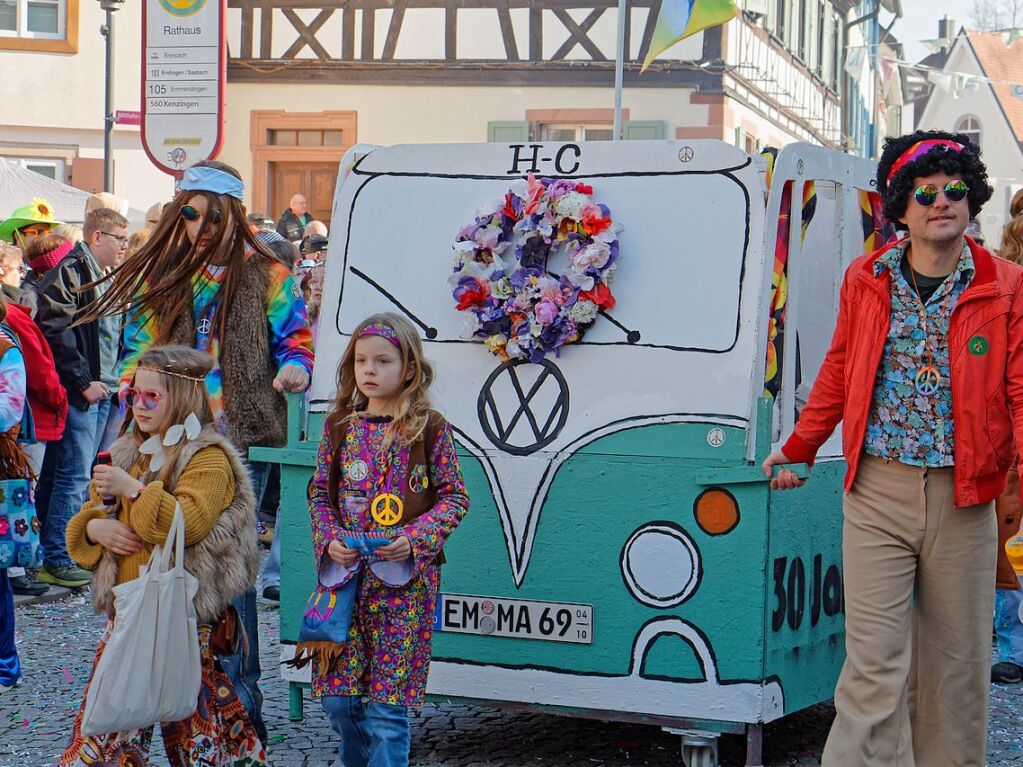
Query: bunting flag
column 678, row 19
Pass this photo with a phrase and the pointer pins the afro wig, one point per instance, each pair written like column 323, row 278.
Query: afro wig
column 966, row 165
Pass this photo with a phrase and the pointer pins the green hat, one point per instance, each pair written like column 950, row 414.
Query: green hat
column 39, row 211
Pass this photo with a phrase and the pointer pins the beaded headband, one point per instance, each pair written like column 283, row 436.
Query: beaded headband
column 382, row 330
column 918, row 150
column 205, row 179
column 187, row 377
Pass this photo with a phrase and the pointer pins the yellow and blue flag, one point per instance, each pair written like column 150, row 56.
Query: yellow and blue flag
column 679, row 19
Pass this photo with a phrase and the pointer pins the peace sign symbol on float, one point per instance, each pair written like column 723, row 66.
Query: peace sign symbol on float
column 927, row 380
column 386, row 509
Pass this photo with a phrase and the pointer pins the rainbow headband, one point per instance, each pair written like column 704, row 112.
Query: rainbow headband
column 919, row 149
column 382, row 330
column 202, row 178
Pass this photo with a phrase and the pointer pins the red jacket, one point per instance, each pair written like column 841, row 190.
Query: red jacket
column 987, row 374
column 46, row 397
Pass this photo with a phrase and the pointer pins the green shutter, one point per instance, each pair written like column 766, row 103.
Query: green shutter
column 507, row 131
column 640, row 130
column 740, row 138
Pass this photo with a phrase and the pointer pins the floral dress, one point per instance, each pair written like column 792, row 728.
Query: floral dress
column 387, row 655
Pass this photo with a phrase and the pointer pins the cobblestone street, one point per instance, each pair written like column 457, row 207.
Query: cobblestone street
column 57, row 642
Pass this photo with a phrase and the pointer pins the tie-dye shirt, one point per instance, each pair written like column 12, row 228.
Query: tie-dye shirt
column 12, row 386
column 291, row 341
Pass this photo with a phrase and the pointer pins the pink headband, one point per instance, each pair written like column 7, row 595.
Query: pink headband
column 45, row 262
column 382, row 330
column 919, row 149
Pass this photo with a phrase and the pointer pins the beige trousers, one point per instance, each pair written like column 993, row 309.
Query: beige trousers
column 919, row 596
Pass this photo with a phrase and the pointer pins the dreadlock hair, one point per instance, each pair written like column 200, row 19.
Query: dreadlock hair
column 965, row 164
column 166, row 263
column 1012, row 236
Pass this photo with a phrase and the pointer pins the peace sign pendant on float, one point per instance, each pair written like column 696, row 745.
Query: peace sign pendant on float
column 927, row 380
column 386, row 509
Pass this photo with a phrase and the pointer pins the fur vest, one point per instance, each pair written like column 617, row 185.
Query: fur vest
column 225, row 562
column 256, row 414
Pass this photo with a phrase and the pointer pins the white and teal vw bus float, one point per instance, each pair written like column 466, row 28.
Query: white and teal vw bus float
column 623, row 558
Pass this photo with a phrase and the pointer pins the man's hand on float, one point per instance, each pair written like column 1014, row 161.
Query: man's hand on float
column 786, row 479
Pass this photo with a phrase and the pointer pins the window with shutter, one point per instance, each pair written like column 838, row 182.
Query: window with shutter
column 508, row 131
column 639, row 130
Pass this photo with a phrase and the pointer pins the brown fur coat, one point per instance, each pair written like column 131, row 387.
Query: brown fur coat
column 256, row 414
column 225, row 562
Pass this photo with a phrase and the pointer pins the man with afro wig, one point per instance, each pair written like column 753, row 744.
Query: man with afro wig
column 925, row 372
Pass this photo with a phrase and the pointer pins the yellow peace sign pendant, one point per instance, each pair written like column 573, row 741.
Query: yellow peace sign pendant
column 386, row 509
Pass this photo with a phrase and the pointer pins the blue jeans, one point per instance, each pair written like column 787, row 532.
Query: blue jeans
column 243, row 669
column 372, row 734
column 64, row 484
column 271, row 575
column 1008, row 627
column 10, row 666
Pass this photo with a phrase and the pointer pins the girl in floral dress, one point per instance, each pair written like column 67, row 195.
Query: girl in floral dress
column 386, row 467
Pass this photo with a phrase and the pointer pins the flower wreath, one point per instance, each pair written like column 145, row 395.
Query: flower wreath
column 502, row 285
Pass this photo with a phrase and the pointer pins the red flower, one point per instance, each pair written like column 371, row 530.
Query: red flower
column 534, row 192
column 584, row 189
column 595, row 224
column 472, row 298
column 509, row 209
column 600, row 295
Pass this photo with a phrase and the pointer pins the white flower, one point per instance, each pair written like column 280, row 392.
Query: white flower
column 583, row 312
column 570, row 204
column 512, row 348
column 501, row 288
column 578, row 279
column 594, row 255
column 470, row 324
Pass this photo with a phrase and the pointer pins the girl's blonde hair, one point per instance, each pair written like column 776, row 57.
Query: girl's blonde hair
column 182, row 372
column 1012, row 236
column 412, row 406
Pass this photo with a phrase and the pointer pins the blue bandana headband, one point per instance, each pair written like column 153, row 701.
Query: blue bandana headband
column 205, row 179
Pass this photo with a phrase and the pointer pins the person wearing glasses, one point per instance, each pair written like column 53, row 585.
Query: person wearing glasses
column 205, row 280
column 925, row 372
column 86, row 358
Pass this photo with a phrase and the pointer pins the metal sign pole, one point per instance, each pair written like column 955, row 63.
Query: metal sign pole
column 620, row 68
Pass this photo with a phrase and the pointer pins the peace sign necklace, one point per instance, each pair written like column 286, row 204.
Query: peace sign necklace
column 928, row 378
column 386, row 507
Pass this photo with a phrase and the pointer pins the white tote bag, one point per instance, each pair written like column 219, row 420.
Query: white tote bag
column 150, row 669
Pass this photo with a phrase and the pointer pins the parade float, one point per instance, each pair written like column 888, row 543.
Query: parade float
column 621, row 332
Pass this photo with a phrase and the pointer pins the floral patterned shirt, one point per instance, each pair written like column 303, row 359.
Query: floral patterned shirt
column 387, row 655
column 904, row 425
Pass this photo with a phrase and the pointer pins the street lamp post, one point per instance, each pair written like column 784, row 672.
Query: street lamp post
column 107, row 30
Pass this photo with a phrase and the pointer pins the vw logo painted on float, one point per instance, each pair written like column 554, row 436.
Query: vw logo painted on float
column 182, row 7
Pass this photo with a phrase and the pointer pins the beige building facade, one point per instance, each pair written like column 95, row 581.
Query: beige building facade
column 308, row 79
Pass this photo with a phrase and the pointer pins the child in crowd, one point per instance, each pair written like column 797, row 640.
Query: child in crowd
column 13, row 465
column 386, row 467
column 172, row 454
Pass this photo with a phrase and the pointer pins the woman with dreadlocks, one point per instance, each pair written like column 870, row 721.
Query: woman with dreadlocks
column 204, row 281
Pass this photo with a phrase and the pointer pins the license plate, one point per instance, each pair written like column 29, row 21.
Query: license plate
column 514, row 618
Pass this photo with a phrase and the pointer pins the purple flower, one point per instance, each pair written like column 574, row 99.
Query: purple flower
column 546, row 312
column 560, row 187
column 533, row 252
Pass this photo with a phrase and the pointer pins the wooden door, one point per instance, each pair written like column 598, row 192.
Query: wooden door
column 314, row 180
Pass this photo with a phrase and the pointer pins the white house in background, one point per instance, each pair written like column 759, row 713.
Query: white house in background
column 309, row 78
column 990, row 112
column 52, row 69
